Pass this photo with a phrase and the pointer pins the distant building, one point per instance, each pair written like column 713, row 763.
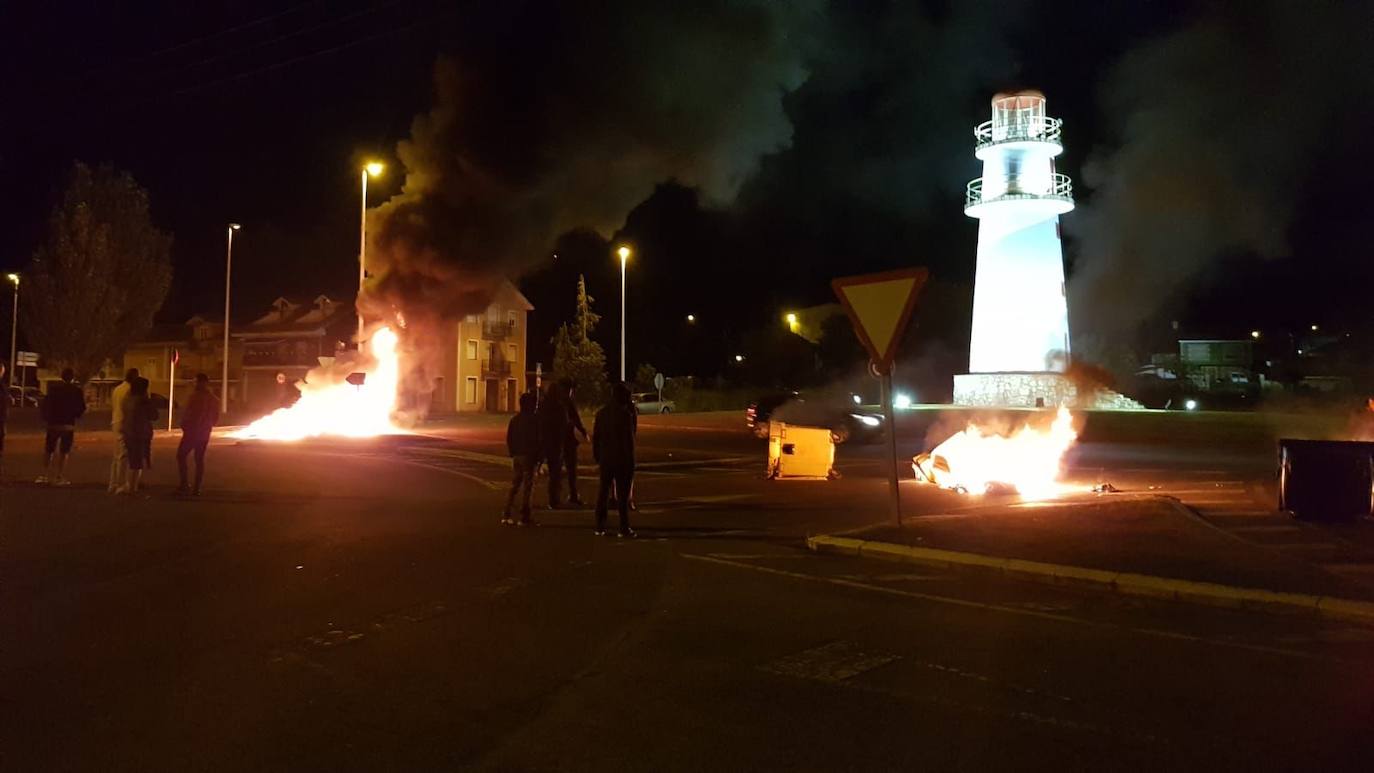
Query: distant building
column 291, row 338
column 487, row 357
column 199, row 342
column 1218, row 364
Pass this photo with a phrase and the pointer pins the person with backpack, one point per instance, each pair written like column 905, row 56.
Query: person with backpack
column 62, row 407
column 197, row 420
column 523, row 444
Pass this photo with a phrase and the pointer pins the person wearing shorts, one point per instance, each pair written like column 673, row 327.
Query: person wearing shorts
column 62, row 406
column 139, row 415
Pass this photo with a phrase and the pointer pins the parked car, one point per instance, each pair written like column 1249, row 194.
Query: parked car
column 30, row 397
column 845, row 420
column 648, row 402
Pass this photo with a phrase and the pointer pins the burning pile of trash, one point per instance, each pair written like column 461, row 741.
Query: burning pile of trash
column 985, row 459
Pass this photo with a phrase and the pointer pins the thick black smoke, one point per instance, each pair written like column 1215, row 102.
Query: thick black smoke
column 1220, row 128
column 566, row 116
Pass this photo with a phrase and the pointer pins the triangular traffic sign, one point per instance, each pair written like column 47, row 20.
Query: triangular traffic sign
column 879, row 306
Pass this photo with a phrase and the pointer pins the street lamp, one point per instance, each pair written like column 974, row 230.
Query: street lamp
column 624, row 253
column 370, row 169
column 14, row 329
column 791, row 319
column 228, row 272
column 1255, row 334
column 691, row 319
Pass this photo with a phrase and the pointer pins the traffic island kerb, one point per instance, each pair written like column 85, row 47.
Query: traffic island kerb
column 1213, row 594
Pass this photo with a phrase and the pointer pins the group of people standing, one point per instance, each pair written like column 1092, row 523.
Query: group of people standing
column 547, row 430
column 133, row 414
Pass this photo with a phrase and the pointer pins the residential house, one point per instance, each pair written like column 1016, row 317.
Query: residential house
column 291, row 338
column 199, row 344
column 1218, row 364
column 487, row 357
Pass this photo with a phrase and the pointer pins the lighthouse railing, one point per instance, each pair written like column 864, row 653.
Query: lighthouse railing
column 1061, row 187
column 1030, row 128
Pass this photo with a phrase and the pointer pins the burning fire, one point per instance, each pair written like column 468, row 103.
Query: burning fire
column 330, row 405
column 980, row 459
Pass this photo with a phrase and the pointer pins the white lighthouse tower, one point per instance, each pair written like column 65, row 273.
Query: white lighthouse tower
column 1020, row 341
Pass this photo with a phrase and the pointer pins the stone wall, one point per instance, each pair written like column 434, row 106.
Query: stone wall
column 1032, row 390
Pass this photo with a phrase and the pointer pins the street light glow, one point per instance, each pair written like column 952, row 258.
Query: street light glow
column 1314, row 328
column 791, row 319
column 624, row 253
column 1255, row 334
column 375, row 168
column 13, row 278
column 691, row 318
column 739, row 358
column 234, row 226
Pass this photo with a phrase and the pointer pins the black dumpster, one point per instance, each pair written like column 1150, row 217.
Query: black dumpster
column 1326, row 480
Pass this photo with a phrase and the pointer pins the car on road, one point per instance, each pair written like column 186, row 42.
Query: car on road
column 30, row 397
column 845, row 420
column 648, row 402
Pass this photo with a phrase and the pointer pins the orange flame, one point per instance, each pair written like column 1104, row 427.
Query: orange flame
column 329, row 405
column 979, row 459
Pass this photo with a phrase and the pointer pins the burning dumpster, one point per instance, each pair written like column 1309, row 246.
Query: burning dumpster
column 1326, row 480
column 800, row 452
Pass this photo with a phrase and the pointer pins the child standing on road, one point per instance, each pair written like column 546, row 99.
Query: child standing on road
column 523, row 443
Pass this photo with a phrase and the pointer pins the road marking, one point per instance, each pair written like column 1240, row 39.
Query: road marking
column 491, row 484
column 1172, row 635
column 833, row 662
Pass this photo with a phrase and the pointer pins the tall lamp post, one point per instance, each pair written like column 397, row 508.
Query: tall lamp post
column 228, row 272
column 371, row 169
column 14, row 330
column 624, row 253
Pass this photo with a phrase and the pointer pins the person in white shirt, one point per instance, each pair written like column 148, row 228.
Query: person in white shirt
column 119, row 465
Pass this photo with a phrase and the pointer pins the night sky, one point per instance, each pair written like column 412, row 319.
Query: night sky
column 750, row 151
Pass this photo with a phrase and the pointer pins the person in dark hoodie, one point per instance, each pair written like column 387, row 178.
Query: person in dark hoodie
column 200, row 416
column 62, row 406
column 613, row 447
column 139, row 415
column 553, row 429
column 523, row 443
column 570, row 441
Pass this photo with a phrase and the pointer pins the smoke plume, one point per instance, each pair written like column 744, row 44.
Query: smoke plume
column 565, row 117
column 1220, row 125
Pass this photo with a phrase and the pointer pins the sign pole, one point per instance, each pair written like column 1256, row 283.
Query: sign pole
column 885, row 379
column 171, row 389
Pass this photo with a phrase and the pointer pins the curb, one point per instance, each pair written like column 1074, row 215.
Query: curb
column 1214, row 594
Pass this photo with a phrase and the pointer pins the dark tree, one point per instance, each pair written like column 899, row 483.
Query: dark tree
column 576, row 356
column 100, row 274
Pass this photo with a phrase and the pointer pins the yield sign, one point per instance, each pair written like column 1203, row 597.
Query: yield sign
column 879, row 305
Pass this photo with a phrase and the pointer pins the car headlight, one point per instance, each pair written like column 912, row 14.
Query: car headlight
column 867, row 421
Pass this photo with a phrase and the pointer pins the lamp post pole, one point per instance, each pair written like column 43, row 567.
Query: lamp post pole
column 14, row 333
column 624, row 253
column 371, row 169
column 228, row 273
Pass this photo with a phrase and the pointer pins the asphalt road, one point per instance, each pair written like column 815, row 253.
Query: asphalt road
column 356, row 606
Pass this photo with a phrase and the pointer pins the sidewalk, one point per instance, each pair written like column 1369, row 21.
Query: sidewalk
column 1126, row 543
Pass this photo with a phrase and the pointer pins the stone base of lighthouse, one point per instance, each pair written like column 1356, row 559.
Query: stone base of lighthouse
column 1033, row 390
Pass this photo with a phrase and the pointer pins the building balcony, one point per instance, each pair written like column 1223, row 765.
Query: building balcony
column 497, row 330
column 494, row 368
column 1053, row 199
column 1036, row 129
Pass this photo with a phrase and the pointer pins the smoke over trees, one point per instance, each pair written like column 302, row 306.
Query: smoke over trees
column 1222, row 127
column 568, row 116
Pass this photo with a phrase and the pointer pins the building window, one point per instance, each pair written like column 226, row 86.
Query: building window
column 472, row 348
column 511, row 352
column 471, row 318
column 510, row 319
column 470, row 390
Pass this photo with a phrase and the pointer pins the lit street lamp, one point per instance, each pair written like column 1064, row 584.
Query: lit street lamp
column 624, row 253
column 14, row 329
column 1255, row 334
column 228, row 272
column 371, row 169
column 691, row 319
column 791, row 319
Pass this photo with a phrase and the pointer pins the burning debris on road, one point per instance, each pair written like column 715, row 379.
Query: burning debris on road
column 334, row 401
column 983, row 459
